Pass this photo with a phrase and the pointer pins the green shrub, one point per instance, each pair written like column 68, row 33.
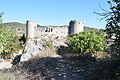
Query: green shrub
column 48, row 44
column 9, row 43
column 88, row 42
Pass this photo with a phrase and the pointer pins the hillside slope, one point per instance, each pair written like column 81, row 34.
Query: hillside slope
column 14, row 25
column 17, row 25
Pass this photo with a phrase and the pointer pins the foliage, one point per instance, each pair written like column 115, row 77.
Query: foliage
column 14, row 26
column 113, row 26
column 48, row 44
column 39, row 25
column 113, row 22
column 9, row 43
column 113, row 29
column 88, row 42
column 1, row 14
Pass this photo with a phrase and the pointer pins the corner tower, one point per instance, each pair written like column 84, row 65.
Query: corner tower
column 75, row 27
column 30, row 27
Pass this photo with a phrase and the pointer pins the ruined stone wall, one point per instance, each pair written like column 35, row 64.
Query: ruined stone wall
column 32, row 31
column 55, row 31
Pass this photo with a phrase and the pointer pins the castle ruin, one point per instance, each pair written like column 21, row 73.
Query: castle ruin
column 33, row 31
column 39, row 35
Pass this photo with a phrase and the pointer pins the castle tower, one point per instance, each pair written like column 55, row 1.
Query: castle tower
column 75, row 27
column 30, row 27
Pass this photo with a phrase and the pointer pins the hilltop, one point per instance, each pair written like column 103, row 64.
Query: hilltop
column 14, row 25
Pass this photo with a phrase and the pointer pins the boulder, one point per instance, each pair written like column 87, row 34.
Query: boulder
column 36, row 46
column 33, row 48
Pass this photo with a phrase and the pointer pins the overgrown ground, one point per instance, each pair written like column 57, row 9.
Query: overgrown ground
column 69, row 67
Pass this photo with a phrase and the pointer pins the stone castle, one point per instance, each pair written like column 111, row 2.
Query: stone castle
column 33, row 31
column 39, row 35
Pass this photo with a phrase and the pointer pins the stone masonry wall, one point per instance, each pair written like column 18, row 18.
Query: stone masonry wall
column 73, row 28
column 55, row 31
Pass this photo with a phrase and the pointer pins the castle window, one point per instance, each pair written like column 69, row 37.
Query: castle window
column 51, row 30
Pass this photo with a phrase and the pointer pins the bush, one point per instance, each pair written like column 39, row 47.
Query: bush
column 9, row 43
column 88, row 42
column 48, row 44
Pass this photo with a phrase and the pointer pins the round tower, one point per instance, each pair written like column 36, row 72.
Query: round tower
column 30, row 27
column 75, row 27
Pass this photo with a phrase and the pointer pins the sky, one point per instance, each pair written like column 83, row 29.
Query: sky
column 54, row 12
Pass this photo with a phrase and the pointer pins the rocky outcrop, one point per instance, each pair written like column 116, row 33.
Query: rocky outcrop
column 32, row 48
column 39, row 45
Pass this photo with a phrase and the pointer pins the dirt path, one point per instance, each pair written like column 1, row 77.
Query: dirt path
column 68, row 67
column 58, row 69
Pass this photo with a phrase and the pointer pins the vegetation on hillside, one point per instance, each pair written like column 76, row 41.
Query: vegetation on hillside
column 17, row 25
column 14, row 25
column 9, row 42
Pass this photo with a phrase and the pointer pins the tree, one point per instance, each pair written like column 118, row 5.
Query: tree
column 1, row 14
column 113, row 23
column 113, row 29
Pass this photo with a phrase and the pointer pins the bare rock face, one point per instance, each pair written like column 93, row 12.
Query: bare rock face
column 38, row 46
column 33, row 48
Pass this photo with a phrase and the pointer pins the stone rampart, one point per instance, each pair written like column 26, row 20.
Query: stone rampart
column 73, row 28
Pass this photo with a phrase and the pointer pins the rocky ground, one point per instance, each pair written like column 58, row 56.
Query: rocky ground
column 64, row 66
column 67, row 67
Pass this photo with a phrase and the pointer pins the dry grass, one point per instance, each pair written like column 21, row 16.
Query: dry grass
column 102, row 55
column 49, row 52
column 11, row 76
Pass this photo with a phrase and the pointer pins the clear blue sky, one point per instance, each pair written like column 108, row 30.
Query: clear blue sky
column 53, row 12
